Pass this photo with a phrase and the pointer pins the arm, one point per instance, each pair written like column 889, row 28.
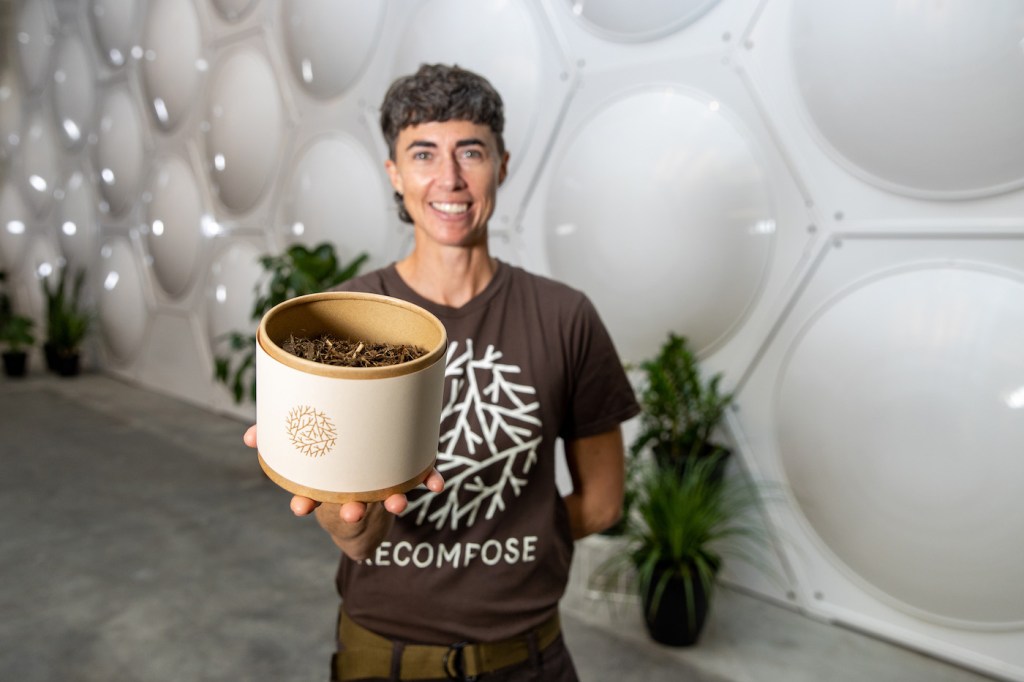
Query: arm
column 356, row 527
column 597, row 466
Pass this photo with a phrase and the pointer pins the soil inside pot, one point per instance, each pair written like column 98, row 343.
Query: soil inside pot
column 332, row 350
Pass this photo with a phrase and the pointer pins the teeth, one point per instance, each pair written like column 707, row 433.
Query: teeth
column 450, row 208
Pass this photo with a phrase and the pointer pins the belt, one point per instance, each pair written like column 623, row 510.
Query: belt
column 366, row 654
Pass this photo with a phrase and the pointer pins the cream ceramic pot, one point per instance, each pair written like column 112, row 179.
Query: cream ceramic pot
column 338, row 434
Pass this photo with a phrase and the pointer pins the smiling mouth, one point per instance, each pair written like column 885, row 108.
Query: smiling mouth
column 450, row 209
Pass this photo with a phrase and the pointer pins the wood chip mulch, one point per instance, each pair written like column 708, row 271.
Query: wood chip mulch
column 332, row 350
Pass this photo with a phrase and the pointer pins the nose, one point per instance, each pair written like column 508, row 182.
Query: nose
column 451, row 174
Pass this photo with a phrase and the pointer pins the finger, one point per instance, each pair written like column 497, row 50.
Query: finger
column 434, row 481
column 396, row 503
column 302, row 506
column 352, row 512
column 249, row 438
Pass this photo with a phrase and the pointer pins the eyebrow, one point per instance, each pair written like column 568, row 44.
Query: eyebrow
column 468, row 142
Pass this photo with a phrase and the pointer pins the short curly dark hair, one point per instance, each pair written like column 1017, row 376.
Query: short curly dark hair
column 439, row 92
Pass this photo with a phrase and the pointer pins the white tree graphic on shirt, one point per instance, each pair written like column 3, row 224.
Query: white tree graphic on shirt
column 480, row 475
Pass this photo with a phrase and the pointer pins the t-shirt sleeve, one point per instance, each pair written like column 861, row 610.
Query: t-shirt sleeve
column 601, row 396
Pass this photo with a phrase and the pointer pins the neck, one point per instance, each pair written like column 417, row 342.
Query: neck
column 450, row 277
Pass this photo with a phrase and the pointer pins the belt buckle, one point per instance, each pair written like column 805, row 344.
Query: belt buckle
column 454, row 663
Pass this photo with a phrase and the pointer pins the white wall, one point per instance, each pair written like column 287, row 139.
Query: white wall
column 825, row 196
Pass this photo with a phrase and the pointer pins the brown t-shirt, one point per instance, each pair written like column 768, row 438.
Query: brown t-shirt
column 529, row 361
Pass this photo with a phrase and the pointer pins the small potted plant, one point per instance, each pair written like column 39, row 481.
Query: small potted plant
column 680, row 531
column 16, row 335
column 682, row 410
column 67, row 322
column 297, row 271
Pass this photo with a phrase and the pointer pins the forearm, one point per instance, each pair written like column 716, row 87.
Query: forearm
column 597, row 469
column 356, row 539
column 589, row 518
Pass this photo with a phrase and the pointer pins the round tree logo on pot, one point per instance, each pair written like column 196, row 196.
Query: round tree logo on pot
column 311, row 431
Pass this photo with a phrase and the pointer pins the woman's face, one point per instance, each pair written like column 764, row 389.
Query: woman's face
column 448, row 174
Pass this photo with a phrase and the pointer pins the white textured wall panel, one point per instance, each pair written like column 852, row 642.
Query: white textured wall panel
column 243, row 106
column 123, row 310
column 14, row 225
column 888, row 401
column 74, row 91
column 173, row 61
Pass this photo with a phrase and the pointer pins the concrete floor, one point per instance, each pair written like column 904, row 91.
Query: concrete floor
column 141, row 541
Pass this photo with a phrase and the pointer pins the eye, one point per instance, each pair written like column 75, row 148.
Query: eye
column 421, row 156
column 472, row 154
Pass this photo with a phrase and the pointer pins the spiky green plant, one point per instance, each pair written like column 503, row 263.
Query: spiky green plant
column 686, row 526
column 295, row 272
column 67, row 319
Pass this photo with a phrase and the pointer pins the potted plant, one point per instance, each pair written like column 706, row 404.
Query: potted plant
column 296, row 272
column 680, row 532
column 67, row 322
column 16, row 335
column 681, row 410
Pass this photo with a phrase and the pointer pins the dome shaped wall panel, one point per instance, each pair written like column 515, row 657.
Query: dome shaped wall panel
column 16, row 225
column 230, row 285
column 12, row 111
column 622, row 210
column 74, row 91
column 123, row 313
column 904, row 132
column 243, row 104
column 78, row 228
column 888, row 182
column 229, row 299
column 723, row 248
column 173, row 226
column 927, row 417
column 115, row 28
column 119, row 152
column 174, row 62
column 328, row 43
column 33, row 32
column 334, row 190
column 940, row 439
column 40, row 158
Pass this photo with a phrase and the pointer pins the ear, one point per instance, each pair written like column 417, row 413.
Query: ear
column 503, row 168
column 394, row 175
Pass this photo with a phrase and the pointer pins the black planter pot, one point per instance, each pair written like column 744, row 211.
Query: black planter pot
column 679, row 615
column 15, row 363
column 66, row 364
